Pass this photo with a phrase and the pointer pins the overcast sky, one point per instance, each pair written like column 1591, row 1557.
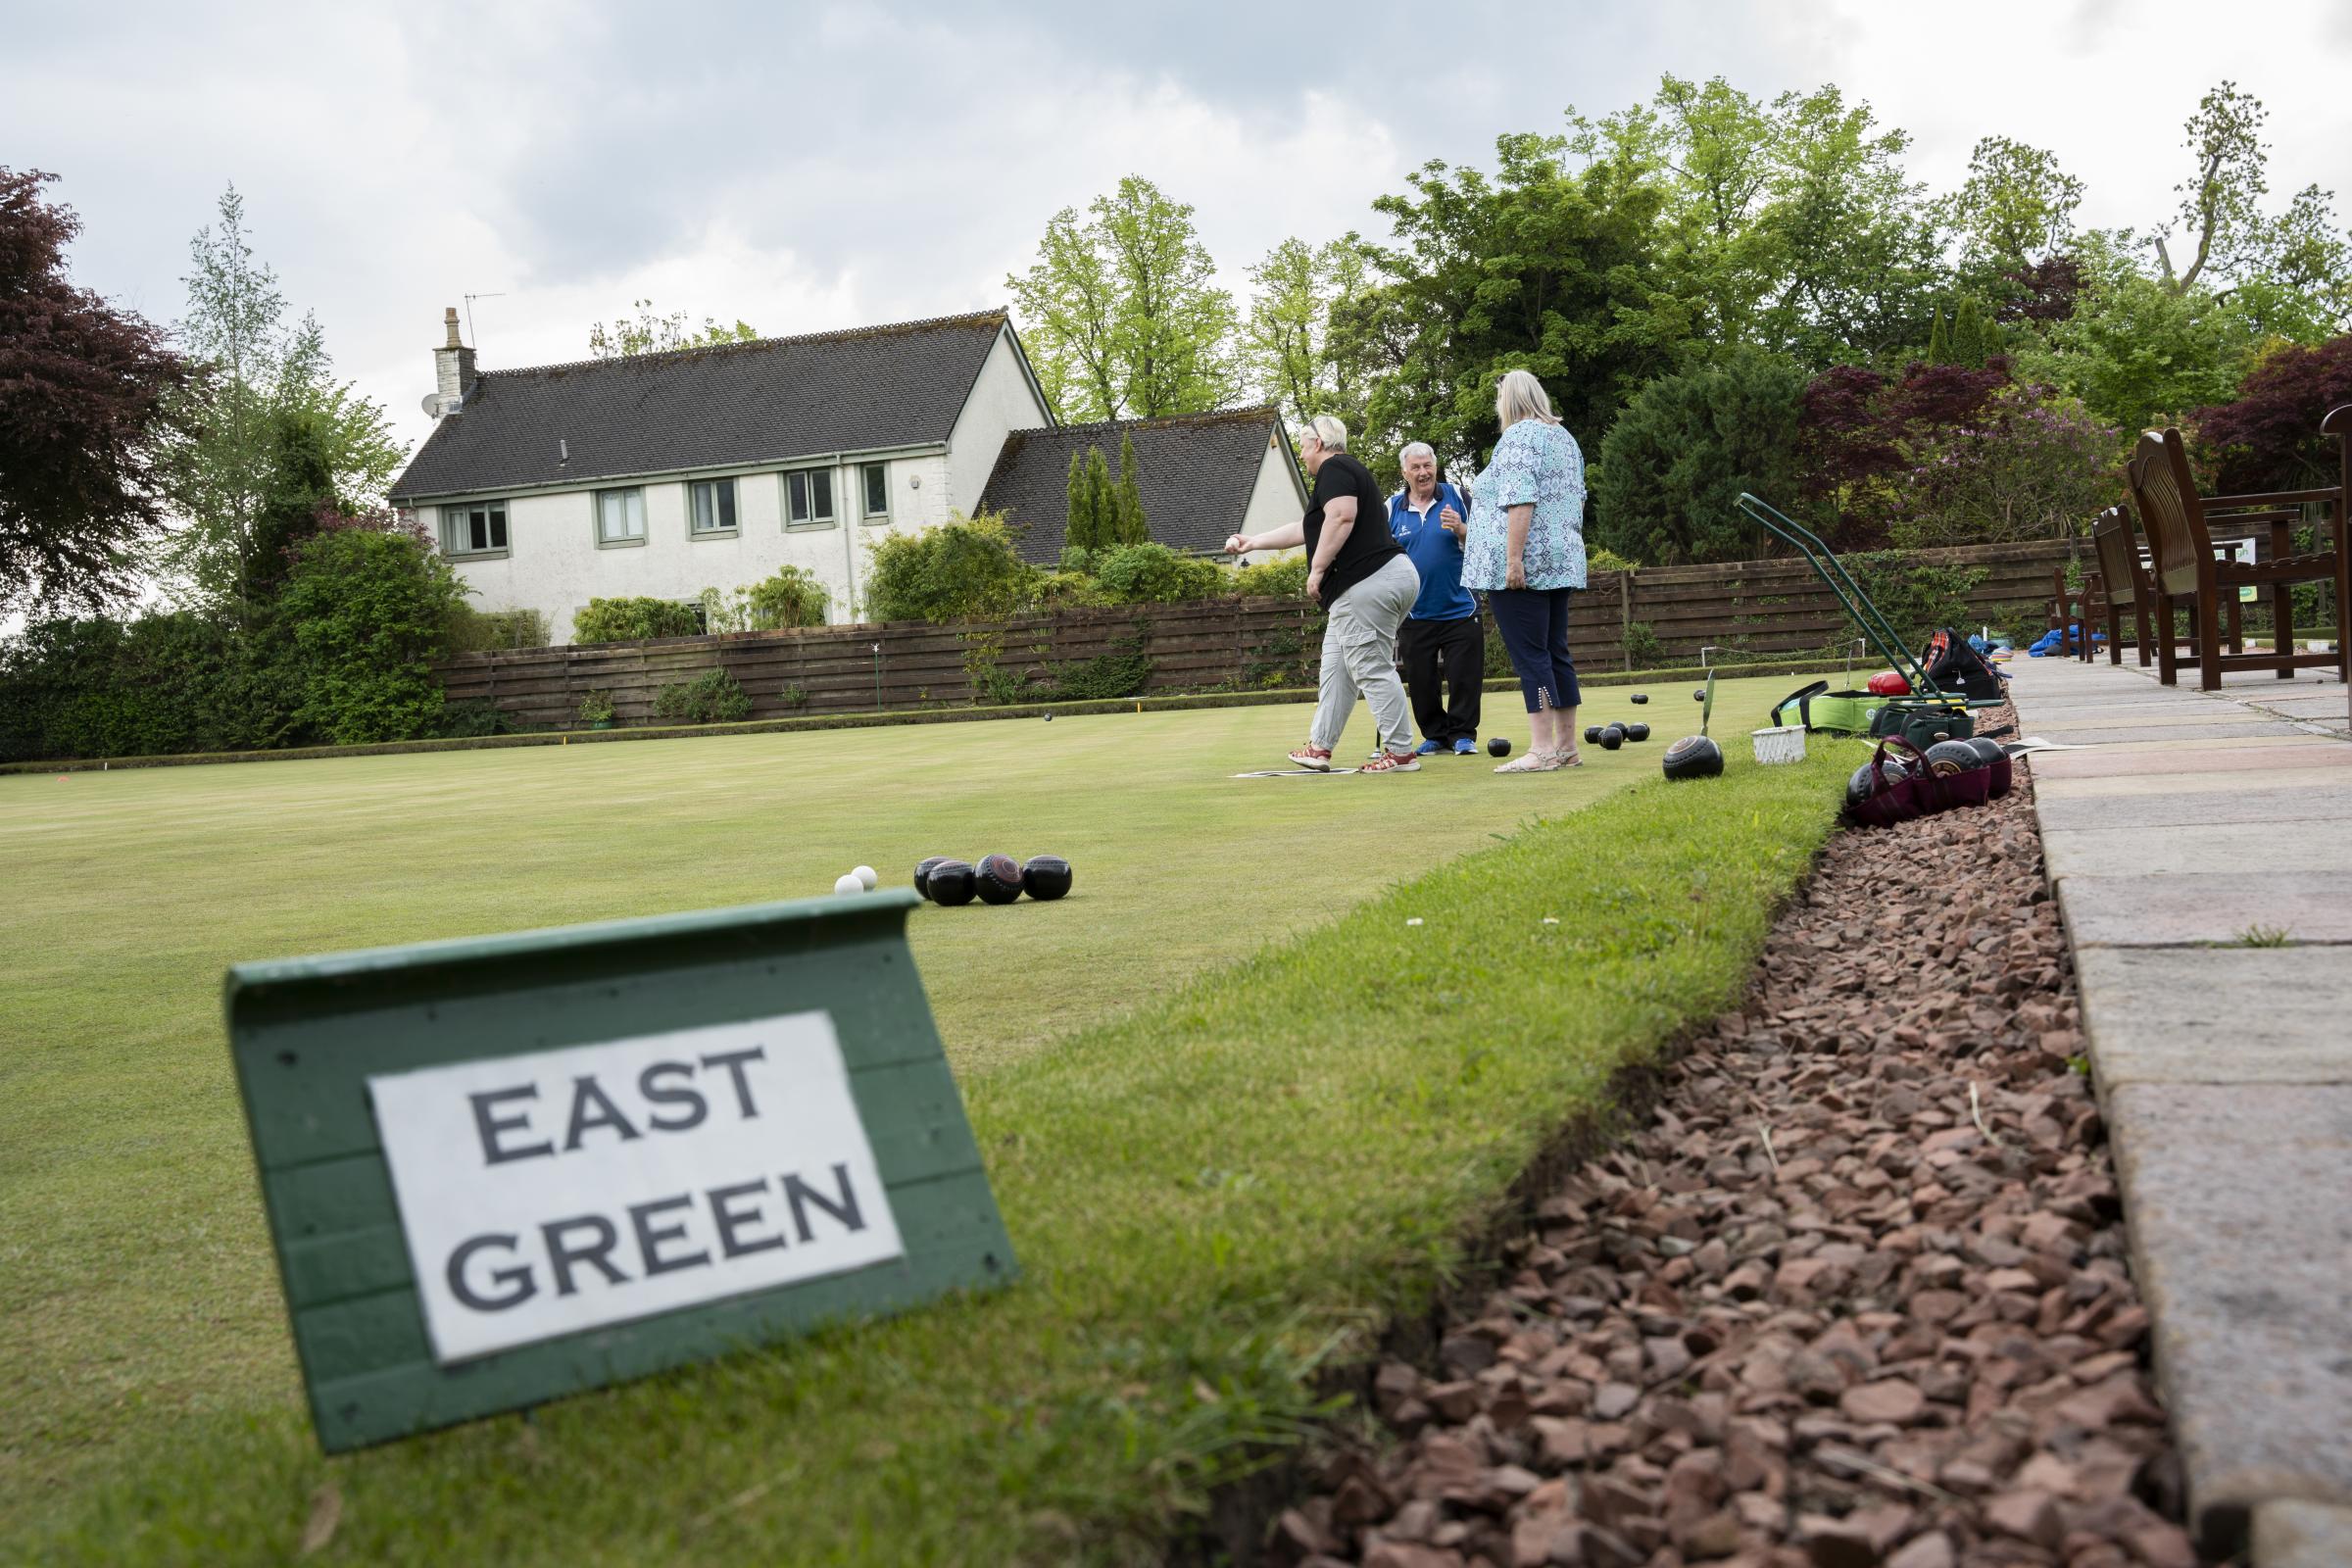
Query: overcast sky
column 807, row 166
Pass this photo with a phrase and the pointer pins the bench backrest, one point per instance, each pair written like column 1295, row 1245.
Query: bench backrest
column 2166, row 493
column 2118, row 556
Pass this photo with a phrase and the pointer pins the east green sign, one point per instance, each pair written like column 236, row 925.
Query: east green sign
column 503, row 1170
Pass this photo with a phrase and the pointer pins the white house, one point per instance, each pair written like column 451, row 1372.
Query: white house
column 663, row 475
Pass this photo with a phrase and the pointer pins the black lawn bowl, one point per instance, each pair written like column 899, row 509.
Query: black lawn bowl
column 1637, row 732
column 1611, row 737
column 1865, row 783
column 1046, row 876
column 999, row 878
column 922, row 872
column 1592, row 734
column 1499, row 745
column 1698, row 694
column 1692, row 757
column 952, row 882
column 1948, row 757
column 1639, row 698
column 1997, row 760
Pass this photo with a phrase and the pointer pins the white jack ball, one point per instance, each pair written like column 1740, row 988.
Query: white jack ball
column 851, row 883
column 867, row 877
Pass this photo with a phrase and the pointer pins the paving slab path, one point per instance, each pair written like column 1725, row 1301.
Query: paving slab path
column 2200, row 848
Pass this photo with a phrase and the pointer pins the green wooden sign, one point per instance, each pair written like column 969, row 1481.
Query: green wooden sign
column 507, row 1169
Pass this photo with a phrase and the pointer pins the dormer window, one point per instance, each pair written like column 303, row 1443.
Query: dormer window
column 711, row 506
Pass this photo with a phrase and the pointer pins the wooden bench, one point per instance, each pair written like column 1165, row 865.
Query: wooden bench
column 2124, row 586
column 2180, row 524
column 2070, row 612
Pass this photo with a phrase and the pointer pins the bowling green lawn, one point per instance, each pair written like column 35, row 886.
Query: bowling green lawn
column 1235, row 1111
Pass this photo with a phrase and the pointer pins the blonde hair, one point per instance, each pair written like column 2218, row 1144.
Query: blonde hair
column 1520, row 396
column 1330, row 432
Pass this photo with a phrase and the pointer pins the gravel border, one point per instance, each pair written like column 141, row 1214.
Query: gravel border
column 1854, row 1294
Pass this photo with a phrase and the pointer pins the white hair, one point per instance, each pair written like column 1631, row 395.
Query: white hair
column 1417, row 449
column 1328, row 429
column 1520, row 396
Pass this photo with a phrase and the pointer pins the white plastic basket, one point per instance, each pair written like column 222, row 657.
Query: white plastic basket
column 1784, row 743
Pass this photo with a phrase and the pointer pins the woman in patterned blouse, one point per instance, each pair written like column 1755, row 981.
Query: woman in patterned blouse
column 1526, row 551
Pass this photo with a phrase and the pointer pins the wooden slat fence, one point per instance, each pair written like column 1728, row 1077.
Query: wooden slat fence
column 1754, row 608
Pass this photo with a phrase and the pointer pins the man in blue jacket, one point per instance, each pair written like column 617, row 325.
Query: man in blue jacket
column 1442, row 640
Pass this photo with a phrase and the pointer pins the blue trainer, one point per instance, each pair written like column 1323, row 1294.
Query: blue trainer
column 1426, row 749
column 1464, row 746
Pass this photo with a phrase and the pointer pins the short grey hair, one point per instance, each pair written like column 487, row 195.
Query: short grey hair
column 1520, row 396
column 1328, row 429
column 1417, row 449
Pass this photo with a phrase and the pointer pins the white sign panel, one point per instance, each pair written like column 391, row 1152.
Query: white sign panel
column 565, row 1190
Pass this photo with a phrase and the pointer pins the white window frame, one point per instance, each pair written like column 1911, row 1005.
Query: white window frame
column 865, row 499
column 456, row 521
column 726, row 503
column 831, row 518
column 596, row 517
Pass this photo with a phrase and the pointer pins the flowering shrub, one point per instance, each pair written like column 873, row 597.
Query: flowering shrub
column 2030, row 466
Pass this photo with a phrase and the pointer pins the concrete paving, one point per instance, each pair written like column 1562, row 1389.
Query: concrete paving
column 2200, row 844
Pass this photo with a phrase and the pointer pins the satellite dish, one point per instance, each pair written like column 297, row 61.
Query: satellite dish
column 432, row 403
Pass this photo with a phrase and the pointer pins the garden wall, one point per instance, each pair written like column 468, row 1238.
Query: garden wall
column 1658, row 615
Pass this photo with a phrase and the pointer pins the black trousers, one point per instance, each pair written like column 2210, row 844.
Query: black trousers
column 1451, row 651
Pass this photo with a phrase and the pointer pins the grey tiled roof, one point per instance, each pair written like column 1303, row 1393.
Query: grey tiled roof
column 1195, row 472
column 758, row 402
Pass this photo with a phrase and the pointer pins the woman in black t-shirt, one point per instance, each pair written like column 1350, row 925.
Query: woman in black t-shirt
column 1364, row 580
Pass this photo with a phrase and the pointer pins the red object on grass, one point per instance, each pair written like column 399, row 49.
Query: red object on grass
column 1888, row 684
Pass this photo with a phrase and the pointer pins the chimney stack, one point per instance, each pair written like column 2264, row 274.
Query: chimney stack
column 453, row 365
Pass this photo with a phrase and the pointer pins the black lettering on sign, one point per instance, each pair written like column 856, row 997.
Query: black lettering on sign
column 562, row 1254
column 490, row 1126
column 733, row 1062
column 521, row 1287
column 843, row 1207
column 683, row 1095
column 584, row 1093
column 728, row 1218
column 651, row 1237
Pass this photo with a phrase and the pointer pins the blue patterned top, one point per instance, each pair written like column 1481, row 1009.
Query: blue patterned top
column 1539, row 463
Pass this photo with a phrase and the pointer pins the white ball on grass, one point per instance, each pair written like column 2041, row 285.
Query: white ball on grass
column 867, row 877
column 851, row 883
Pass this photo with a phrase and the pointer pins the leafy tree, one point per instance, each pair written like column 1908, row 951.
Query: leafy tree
column 2267, row 436
column 1536, row 267
column 1676, row 461
column 1790, row 225
column 1972, row 341
column 87, row 401
column 2139, row 351
column 648, row 333
column 1102, row 499
column 1123, row 317
column 368, row 604
column 163, row 683
column 1940, row 341
column 966, row 568
column 1286, row 344
column 260, row 374
column 2016, row 207
column 1132, row 527
column 2220, row 204
column 1081, row 529
column 2294, row 267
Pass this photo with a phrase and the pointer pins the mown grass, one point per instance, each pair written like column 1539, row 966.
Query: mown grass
column 1204, row 1189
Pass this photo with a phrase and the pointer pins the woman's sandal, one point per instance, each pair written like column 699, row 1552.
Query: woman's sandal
column 1532, row 762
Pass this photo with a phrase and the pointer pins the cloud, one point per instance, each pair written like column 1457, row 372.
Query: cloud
column 812, row 165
